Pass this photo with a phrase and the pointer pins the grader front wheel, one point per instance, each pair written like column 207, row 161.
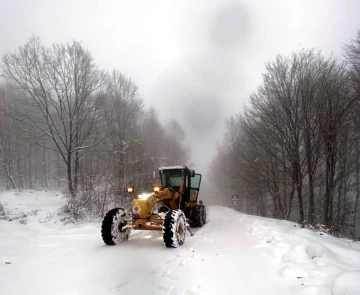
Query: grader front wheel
column 113, row 230
column 174, row 228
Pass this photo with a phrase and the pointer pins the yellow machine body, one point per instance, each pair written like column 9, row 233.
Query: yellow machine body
column 171, row 207
column 142, row 208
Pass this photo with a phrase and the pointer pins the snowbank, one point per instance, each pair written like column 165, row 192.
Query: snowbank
column 322, row 263
column 34, row 206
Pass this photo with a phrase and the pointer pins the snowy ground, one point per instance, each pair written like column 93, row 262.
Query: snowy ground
column 232, row 254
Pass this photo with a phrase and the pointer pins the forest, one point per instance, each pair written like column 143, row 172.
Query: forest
column 293, row 153
column 66, row 123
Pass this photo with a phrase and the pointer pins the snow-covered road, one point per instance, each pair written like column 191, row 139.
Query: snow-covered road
column 232, row 254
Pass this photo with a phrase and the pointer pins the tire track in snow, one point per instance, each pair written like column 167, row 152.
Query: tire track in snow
column 173, row 265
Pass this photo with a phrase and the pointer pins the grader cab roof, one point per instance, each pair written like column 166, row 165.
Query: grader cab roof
column 176, row 168
column 172, row 167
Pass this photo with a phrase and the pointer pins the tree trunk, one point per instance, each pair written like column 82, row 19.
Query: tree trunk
column 298, row 181
column 10, row 177
column 58, row 173
column 18, row 170
column 76, row 170
column 71, row 183
column 311, row 208
column 327, row 193
column 357, row 186
column 30, row 167
column 44, row 169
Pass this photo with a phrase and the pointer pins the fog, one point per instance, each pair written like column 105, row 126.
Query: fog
column 196, row 61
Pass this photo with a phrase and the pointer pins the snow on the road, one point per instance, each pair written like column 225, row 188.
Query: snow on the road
column 233, row 253
column 321, row 263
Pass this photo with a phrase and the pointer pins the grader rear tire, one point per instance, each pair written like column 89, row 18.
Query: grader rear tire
column 204, row 218
column 174, row 228
column 197, row 217
column 112, row 231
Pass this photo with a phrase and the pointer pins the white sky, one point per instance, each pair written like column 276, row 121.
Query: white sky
column 196, row 60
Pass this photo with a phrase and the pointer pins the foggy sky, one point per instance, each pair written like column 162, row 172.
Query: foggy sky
column 194, row 60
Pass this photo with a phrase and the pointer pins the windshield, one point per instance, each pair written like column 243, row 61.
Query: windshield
column 195, row 181
column 172, row 178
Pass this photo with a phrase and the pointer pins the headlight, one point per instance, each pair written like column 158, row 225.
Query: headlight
column 145, row 196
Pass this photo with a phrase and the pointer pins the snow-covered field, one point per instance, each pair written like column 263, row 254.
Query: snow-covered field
column 232, row 254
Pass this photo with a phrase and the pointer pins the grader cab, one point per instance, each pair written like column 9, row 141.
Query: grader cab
column 172, row 207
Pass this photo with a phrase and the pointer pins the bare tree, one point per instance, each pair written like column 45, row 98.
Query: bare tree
column 176, row 152
column 332, row 110
column 123, row 108
column 6, row 144
column 352, row 56
column 64, row 85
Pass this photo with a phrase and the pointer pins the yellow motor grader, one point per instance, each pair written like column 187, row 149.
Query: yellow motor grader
column 172, row 207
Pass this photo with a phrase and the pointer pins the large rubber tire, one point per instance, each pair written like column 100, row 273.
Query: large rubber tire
column 174, row 228
column 111, row 228
column 204, row 218
column 197, row 216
